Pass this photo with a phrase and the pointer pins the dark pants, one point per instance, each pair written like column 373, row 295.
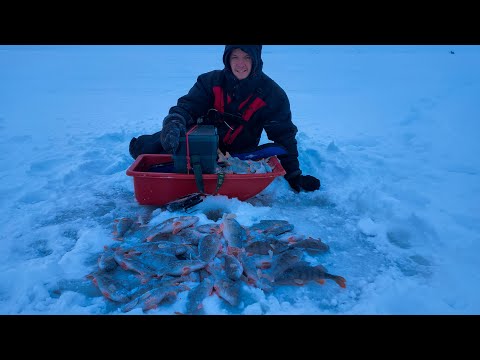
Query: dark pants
column 146, row 144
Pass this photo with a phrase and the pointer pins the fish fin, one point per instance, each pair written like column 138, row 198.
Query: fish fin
column 93, row 279
column 321, row 281
column 233, row 250
column 299, row 282
column 143, row 279
column 265, row 265
column 341, row 281
column 180, row 288
column 149, row 307
column 177, row 227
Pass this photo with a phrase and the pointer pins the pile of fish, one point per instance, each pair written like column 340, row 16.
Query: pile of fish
column 233, row 165
column 150, row 265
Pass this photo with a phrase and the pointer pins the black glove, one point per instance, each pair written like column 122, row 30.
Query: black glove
column 171, row 132
column 304, row 182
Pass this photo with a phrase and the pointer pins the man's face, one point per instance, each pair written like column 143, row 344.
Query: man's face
column 241, row 64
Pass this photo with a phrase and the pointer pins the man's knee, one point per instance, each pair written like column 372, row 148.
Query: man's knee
column 145, row 144
column 131, row 148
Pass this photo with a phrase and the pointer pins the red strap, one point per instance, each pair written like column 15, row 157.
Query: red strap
column 188, row 149
column 228, row 139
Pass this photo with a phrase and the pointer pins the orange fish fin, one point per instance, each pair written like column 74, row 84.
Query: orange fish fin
column 265, row 265
column 177, row 226
column 341, row 282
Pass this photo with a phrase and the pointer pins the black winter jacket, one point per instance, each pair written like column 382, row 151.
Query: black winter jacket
column 257, row 103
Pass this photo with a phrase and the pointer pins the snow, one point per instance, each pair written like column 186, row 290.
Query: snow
column 391, row 132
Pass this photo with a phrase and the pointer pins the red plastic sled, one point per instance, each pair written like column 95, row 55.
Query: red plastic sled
column 154, row 188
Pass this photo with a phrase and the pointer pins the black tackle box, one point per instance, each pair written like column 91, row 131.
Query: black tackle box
column 202, row 144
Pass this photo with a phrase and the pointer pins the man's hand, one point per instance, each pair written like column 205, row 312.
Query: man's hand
column 304, row 182
column 170, row 137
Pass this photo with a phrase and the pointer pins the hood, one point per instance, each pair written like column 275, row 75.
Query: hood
column 255, row 52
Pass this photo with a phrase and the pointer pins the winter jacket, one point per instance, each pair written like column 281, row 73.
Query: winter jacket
column 244, row 108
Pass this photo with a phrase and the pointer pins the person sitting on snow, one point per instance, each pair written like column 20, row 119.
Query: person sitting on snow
column 241, row 101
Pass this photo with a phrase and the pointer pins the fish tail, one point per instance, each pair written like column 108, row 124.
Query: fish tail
column 341, row 281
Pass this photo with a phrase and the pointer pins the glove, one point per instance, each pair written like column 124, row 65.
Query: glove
column 304, row 182
column 170, row 137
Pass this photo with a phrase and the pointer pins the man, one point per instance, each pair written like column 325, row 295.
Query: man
column 241, row 101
